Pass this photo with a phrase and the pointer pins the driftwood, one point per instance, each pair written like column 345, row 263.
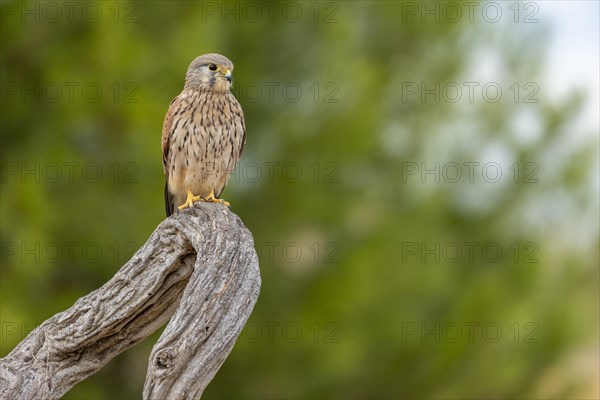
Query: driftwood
column 199, row 268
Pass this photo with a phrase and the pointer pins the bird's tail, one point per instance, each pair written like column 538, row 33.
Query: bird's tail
column 169, row 200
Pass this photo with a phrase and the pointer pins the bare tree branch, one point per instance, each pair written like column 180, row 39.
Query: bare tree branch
column 199, row 268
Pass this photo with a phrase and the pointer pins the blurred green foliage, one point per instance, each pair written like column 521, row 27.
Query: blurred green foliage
column 380, row 279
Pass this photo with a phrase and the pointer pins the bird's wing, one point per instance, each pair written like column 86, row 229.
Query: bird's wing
column 243, row 129
column 240, row 127
column 166, row 133
column 166, row 137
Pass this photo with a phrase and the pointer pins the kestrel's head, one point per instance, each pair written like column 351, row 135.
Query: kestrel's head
column 210, row 72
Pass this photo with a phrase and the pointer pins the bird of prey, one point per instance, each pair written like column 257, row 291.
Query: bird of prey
column 203, row 135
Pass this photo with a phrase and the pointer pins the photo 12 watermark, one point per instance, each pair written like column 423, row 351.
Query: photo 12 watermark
column 453, row 12
column 70, row 92
column 468, row 172
column 67, row 252
column 252, row 12
column 291, row 332
column 272, row 172
column 286, row 92
column 68, row 172
column 54, row 12
column 469, row 332
column 469, row 252
column 468, row 91
column 293, row 252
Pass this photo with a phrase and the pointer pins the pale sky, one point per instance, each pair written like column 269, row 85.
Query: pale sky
column 574, row 52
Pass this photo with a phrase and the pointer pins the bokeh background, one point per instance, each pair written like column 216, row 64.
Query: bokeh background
column 421, row 180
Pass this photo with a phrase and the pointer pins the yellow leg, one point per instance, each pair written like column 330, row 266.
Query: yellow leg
column 189, row 203
column 212, row 199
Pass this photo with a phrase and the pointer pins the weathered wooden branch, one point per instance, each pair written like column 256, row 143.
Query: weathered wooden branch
column 199, row 268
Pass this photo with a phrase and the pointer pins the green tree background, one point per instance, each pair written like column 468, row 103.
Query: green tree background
column 385, row 274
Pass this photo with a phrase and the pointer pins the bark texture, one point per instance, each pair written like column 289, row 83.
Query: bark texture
column 199, row 269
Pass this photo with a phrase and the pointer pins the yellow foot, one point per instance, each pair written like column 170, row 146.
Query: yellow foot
column 189, row 202
column 212, row 199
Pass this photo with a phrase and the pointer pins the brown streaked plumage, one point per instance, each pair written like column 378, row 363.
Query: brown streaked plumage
column 203, row 134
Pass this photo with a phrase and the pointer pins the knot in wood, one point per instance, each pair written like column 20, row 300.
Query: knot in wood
column 165, row 358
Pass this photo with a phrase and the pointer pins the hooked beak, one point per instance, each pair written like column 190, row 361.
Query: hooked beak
column 228, row 75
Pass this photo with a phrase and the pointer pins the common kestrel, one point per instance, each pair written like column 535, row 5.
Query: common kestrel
column 203, row 135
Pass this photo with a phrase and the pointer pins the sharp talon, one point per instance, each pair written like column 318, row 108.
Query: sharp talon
column 212, row 199
column 189, row 202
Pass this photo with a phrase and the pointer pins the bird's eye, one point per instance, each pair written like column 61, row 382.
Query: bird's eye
column 212, row 67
